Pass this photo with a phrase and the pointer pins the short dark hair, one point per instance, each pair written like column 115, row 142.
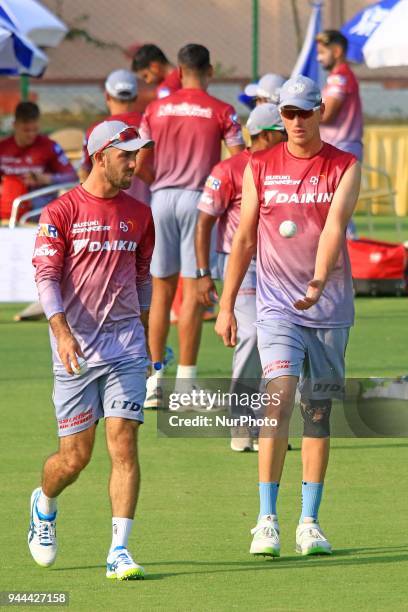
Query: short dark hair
column 333, row 37
column 27, row 111
column 194, row 57
column 146, row 55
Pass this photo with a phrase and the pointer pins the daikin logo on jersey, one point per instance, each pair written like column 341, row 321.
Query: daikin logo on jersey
column 274, row 196
column 94, row 246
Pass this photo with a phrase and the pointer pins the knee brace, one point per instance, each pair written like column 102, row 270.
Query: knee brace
column 316, row 418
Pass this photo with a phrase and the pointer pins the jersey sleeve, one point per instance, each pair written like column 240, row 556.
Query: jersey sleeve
column 144, row 129
column 59, row 165
column 217, row 193
column 144, row 254
column 336, row 87
column 48, row 260
column 231, row 127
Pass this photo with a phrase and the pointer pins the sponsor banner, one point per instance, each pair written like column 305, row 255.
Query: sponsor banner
column 358, row 408
column 16, row 270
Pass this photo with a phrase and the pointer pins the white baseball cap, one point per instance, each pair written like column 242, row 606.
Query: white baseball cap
column 267, row 87
column 122, row 85
column 300, row 92
column 264, row 117
column 116, row 134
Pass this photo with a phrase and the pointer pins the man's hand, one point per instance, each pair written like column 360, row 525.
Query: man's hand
column 313, row 293
column 68, row 349
column 36, row 180
column 226, row 327
column 205, row 288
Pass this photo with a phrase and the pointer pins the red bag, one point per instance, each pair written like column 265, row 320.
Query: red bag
column 12, row 187
column 378, row 267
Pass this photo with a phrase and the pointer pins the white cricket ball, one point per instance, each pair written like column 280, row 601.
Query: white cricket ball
column 287, row 229
column 83, row 366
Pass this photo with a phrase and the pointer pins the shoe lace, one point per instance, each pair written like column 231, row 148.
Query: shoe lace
column 315, row 533
column 123, row 558
column 269, row 531
column 46, row 532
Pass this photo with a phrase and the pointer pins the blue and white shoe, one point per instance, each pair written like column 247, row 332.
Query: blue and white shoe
column 42, row 537
column 120, row 566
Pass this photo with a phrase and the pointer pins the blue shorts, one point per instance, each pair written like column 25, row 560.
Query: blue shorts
column 175, row 216
column 315, row 355
column 116, row 389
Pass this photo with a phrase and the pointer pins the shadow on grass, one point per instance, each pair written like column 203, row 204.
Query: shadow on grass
column 341, row 558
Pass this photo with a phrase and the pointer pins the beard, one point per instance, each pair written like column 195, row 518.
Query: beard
column 118, row 179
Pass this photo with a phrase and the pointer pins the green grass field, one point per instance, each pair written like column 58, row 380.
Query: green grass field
column 199, row 500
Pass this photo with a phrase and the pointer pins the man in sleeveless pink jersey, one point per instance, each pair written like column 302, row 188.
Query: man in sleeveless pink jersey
column 92, row 258
column 304, row 298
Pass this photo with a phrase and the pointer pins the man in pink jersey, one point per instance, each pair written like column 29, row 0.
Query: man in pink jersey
column 304, row 298
column 120, row 97
column 221, row 200
column 342, row 123
column 152, row 66
column 92, row 257
column 188, row 127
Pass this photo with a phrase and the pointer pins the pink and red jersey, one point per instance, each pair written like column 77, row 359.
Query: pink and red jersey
column 44, row 156
column 170, row 84
column 299, row 190
column 92, row 258
column 346, row 131
column 222, row 197
column 138, row 189
column 187, row 128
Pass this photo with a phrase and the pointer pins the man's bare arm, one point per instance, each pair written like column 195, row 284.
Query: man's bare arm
column 202, row 242
column 332, row 236
column 243, row 249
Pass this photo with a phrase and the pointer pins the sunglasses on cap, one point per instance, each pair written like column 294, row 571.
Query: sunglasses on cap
column 291, row 113
column 128, row 133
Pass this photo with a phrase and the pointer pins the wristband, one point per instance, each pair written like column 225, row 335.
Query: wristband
column 201, row 272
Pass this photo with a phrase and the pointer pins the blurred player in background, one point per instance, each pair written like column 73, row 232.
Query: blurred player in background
column 28, row 161
column 221, row 199
column 33, row 158
column 120, row 97
column 188, row 127
column 304, row 299
column 92, row 259
column 152, row 66
column 342, row 123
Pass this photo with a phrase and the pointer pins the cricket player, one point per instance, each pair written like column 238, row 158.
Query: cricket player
column 152, row 66
column 304, row 298
column 92, row 258
column 187, row 127
column 120, row 96
column 266, row 89
column 342, row 123
column 221, row 199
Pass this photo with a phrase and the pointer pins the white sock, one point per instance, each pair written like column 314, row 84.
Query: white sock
column 186, row 371
column 121, row 528
column 46, row 505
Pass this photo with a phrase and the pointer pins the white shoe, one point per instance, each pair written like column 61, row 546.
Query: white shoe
column 266, row 537
column 42, row 538
column 120, row 566
column 241, row 441
column 154, row 393
column 310, row 539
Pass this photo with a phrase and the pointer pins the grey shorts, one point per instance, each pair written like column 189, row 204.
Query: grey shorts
column 315, row 355
column 117, row 390
column 175, row 216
